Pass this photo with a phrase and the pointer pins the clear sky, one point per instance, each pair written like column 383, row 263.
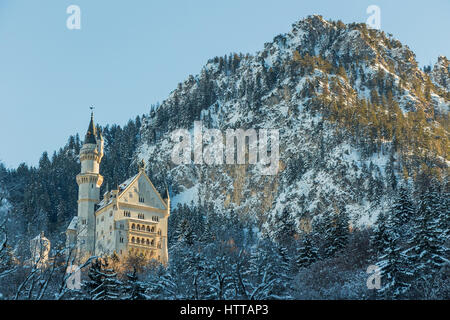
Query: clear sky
column 130, row 54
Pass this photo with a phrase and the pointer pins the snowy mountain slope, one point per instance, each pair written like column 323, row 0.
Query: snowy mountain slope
column 325, row 163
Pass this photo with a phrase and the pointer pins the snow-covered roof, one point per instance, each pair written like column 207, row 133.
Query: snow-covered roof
column 124, row 185
column 73, row 224
column 104, row 203
column 40, row 237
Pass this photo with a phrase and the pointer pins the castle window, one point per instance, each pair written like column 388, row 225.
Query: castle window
column 121, row 226
column 148, row 229
column 133, row 226
column 133, row 240
column 153, row 242
column 138, row 227
column 159, row 232
column 141, row 216
column 153, row 229
column 83, row 221
column 127, row 213
column 141, row 199
column 148, row 242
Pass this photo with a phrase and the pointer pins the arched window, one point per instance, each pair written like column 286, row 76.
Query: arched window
column 133, row 226
column 153, row 229
column 148, row 229
column 138, row 241
column 153, row 242
column 138, row 227
column 133, row 240
column 148, row 242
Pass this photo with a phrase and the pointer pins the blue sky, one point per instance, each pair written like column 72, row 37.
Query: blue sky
column 130, row 54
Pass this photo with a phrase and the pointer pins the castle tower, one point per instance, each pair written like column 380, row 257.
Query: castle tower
column 89, row 182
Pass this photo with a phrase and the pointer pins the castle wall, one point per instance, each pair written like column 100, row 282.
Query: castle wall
column 135, row 230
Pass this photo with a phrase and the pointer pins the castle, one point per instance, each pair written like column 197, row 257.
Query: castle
column 130, row 220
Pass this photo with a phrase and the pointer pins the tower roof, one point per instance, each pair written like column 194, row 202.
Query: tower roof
column 91, row 132
column 166, row 194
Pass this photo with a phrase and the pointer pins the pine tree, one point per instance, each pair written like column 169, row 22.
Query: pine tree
column 403, row 209
column 390, row 173
column 185, row 233
column 394, row 267
column 284, row 229
column 283, row 278
column 337, row 230
column 6, row 256
column 103, row 283
column 443, row 208
column 267, row 276
column 134, row 289
column 402, row 213
column 306, row 253
column 380, row 234
column 428, row 251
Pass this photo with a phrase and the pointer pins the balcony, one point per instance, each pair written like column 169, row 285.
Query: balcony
column 142, row 229
column 141, row 246
column 143, row 233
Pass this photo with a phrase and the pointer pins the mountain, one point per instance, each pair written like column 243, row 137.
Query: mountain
column 356, row 118
column 361, row 179
column 355, row 113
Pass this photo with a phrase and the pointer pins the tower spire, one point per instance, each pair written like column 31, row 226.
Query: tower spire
column 91, row 132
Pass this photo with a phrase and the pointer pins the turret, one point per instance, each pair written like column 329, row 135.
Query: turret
column 167, row 200
column 100, row 145
column 89, row 182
